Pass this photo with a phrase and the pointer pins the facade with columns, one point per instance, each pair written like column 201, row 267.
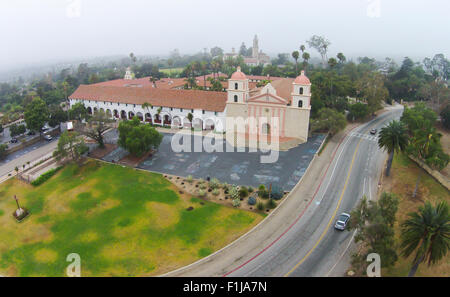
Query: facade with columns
column 284, row 99
column 281, row 108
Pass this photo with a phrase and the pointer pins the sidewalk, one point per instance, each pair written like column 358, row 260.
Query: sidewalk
column 273, row 227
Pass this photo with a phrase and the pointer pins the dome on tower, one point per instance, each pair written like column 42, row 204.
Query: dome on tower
column 239, row 75
column 302, row 79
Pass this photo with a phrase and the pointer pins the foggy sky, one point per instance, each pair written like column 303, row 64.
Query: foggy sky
column 35, row 31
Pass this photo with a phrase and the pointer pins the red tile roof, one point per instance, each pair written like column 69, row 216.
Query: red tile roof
column 187, row 99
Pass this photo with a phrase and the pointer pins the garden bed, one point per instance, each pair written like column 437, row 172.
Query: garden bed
column 221, row 195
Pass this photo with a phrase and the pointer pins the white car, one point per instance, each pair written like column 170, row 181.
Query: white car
column 48, row 137
column 342, row 221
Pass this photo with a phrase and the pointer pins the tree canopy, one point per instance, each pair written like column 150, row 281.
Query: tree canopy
column 138, row 138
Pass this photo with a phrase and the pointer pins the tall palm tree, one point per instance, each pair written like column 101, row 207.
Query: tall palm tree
column 427, row 233
column 393, row 138
column 296, row 55
column 305, row 57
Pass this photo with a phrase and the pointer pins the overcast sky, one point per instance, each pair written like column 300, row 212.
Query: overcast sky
column 36, row 31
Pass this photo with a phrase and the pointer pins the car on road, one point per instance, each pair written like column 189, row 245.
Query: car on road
column 14, row 140
column 48, row 137
column 342, row 221
column 373, row 131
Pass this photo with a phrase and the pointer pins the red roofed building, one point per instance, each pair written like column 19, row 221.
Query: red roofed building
column 165, row 102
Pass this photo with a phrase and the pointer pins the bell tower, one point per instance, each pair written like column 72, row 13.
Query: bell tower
column 238, row 90
column 301, row 92
column 255, row 49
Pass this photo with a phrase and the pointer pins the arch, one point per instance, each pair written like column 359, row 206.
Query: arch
column 130, row 115
column 108, row 113
column 301, row 91
column 209, row 124
column 265, row 129
column 148, row 117
column 236, row 86
column 187, row 123
column 198, row 124
column 235, row 98
column 157, row 119
column 116, row 113
column 95, row 110
column 89, row 110
column 101, row 110
column 300, row 103
column 123, row 115
column 176, row 121
column 167, row 120
column 140, row 116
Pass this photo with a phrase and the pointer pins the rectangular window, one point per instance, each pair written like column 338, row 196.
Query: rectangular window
column 181, row 110
column 203, row 111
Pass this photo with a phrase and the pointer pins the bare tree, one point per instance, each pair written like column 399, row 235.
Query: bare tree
column 321, row 44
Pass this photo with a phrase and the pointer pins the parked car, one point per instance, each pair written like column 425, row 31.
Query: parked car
column 14, row 140
column 31, row 133
column 373, row 131
column 342, row 221
column 45, row 128
column 48, row 137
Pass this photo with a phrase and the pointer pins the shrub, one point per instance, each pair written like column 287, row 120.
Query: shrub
column 251, row 201
column 201, row 193
column 216, row 192
column 251, row 190
column 202, row 186
column 243, row 192
column 277, row 192
column 260, row 206
column 271, row 203
column 262, row 192
column 214, row 183
column 234, row 193
column 236, row 203
column 189, row 179
column 45, row 177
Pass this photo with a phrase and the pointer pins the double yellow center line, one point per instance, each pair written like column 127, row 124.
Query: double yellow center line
column 332, row 218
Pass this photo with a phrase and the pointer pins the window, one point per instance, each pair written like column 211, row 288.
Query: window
column 236, row 86
column 171, row 109
column 235, row 98
column 192, row 110
column 203, row 111
column 181, row 110
column 215, row 113
column 301, row 91
column 300, row 103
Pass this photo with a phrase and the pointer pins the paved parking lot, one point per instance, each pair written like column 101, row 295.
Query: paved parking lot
column 241, row 168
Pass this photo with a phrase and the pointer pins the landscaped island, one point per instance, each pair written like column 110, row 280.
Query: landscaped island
column 121, row 221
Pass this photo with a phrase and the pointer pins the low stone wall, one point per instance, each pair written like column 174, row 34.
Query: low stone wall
column 434, row 173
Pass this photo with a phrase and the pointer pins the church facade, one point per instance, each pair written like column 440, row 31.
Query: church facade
column 278, row 111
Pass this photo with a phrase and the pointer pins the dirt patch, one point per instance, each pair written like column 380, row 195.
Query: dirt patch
column 445, row 141
column 100, row 153
column 133, row 161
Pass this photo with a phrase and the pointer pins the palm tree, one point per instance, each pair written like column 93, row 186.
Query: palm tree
column 302, row 48
column 305, row 57
column 204, row 67
column 427, row 233
column 393, row 138
column 296, row 55
column 341, row 58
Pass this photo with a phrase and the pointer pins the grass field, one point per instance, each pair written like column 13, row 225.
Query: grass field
column 121, row 222
column 171, row 71
column 402, row 181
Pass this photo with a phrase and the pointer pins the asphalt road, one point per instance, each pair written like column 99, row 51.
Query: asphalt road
column 312, row 247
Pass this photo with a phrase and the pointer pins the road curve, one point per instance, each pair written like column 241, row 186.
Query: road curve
column 298, row 239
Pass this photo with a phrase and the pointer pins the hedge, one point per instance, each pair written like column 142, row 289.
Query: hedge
column 45, row 176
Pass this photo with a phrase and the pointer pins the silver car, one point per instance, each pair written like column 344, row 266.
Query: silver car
column 342, row 221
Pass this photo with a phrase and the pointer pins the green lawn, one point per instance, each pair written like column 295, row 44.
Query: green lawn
column 171, row 71
column 402, row 182
column 122, row 222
